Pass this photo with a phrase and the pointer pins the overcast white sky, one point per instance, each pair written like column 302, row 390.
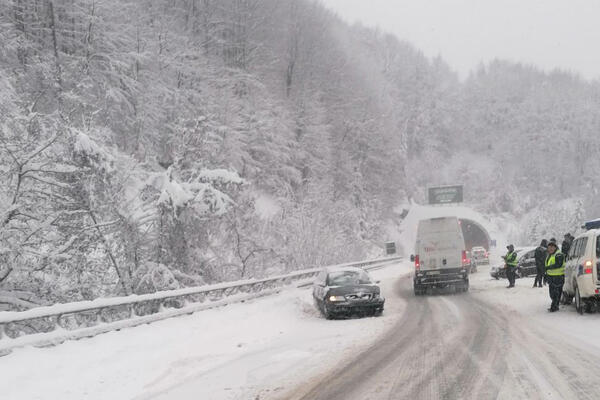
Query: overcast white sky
column 547, row 33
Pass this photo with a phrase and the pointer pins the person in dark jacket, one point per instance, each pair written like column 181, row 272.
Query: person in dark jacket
column 566, row 244
column 540, row 261
column 555, row 270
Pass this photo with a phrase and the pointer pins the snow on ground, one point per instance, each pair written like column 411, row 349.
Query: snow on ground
column 232, row 352
column 533, row 303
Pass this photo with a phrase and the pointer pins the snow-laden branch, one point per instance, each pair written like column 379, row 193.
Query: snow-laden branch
column 199, row 194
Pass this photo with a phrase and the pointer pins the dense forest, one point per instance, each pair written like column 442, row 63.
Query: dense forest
column 153, row 144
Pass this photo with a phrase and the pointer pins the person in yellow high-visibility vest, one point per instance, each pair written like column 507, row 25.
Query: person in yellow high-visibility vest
column 511, row 265
column 555, row 271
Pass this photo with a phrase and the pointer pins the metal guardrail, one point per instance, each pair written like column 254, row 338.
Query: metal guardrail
column 45, row 326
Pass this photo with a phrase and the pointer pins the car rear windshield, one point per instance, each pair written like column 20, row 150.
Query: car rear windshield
column 343, row 278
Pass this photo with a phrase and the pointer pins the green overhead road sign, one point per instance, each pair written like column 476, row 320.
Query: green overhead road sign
column 446, row 194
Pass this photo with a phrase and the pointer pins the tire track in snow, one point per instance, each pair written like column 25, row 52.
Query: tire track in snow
column 460, row 347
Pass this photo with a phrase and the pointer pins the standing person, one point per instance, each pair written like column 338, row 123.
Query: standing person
column 540, row 263
column 555, row 270
column 566, row 244
column 511, row 265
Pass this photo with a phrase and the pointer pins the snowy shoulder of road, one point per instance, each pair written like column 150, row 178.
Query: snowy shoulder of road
column 242, row 351
column 533, row 303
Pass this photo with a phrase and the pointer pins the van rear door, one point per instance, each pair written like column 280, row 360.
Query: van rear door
column 440, row 243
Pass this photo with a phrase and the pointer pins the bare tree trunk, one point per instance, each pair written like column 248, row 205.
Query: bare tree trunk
column 113, row 260
column 55, row 45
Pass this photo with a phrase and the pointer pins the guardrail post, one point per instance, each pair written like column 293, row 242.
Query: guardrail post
column 56, row 321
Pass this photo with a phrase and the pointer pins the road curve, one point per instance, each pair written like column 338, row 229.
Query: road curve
column 459, row 347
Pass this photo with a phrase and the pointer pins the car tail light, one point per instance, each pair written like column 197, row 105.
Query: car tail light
column 464, row 257
column 587, row 267
column 417, row 263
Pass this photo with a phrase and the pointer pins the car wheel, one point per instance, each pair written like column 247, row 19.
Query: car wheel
column 578, row 303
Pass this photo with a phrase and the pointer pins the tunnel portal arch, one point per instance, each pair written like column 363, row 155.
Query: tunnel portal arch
column 474, row 233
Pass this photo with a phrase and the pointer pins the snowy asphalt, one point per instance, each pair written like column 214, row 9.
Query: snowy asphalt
column 461, row 347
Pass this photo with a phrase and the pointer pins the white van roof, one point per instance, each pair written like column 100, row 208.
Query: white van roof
column 440, row 224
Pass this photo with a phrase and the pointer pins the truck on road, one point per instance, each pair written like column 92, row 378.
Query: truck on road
column 440, row 256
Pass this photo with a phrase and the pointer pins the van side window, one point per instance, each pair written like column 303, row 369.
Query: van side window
column 573, row 249
column 598, row 246
column 582, row 247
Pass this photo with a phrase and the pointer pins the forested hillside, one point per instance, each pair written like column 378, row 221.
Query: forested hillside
column 155, row 144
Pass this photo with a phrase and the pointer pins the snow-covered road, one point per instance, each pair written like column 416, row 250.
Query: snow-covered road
column 489, row 343
column 492, row 343
column 233, row 352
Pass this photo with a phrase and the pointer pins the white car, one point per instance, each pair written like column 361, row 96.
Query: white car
column 480, row 255
column 581, row 271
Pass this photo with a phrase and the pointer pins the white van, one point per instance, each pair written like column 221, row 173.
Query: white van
column 582, row 271
column 440, row 258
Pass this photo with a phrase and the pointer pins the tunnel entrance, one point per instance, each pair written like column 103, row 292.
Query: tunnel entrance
column 475, row 234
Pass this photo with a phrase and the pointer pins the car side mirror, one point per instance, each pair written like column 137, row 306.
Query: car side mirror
column 378, row 282
column 412, row 258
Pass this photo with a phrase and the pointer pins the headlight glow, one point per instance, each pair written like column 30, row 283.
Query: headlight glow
column 337, row 298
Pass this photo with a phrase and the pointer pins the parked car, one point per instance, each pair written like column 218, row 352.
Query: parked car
column 441, row 257
column 525, row 264
column 480, row 255
column 347, row 291
column 582, row 272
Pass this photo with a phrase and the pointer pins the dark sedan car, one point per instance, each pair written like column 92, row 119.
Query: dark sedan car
column 348, row 291
column 525, row 264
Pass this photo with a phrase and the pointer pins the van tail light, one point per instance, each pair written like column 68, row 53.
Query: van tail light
column 464, row 257
column 417, row 263
column 587, row 267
